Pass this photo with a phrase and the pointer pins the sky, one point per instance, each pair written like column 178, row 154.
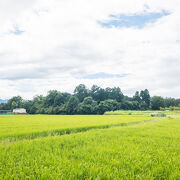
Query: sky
column 58, row 44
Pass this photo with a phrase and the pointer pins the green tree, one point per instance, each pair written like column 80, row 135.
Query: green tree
column 72, row 104
column 126, row 105
column 61, row 98
column 177, row 102
column 145, row 98
column 88, row 106
column 107, row 105
column 97, row 93
column 15, row 102
column 114, row 93
column 169, row 102
column 157, row 102
column 49, row 100
column 137, row 97
column 81, row 92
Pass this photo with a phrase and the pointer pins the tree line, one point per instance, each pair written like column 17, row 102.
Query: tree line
column 95, row 100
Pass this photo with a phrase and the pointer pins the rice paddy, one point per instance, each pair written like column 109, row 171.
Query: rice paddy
column 95, row 147
column 19, row 126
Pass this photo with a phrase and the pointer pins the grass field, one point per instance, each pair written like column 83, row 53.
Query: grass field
column 149, row 150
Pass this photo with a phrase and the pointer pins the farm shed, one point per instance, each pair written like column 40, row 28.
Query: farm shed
column 19, row 111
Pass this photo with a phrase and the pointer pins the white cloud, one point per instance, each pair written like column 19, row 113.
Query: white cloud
column 62, row 42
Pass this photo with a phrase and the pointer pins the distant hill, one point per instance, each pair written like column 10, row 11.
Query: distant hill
column 3, row 101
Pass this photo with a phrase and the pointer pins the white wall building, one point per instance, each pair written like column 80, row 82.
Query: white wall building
column 19, row 111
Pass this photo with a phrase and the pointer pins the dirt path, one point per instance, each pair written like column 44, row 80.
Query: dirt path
column 174, row 116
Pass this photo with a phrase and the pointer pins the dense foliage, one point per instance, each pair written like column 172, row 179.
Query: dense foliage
column 89, row 101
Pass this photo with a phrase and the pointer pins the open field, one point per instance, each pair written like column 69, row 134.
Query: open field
column 149, row 150
column 17, row 126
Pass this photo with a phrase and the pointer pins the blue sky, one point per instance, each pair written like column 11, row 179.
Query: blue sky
column 133, row 20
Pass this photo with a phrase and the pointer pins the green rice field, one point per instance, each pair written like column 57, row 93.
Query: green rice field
column 89, row 147
column 19, row 126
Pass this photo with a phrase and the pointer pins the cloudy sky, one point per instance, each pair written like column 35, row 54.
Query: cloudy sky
column 58, row 44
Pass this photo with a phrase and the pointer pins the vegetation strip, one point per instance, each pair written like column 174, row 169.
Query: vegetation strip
column 68, row 131
column 96, row 100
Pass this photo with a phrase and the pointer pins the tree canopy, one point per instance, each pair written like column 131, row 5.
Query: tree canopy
column 95, row 100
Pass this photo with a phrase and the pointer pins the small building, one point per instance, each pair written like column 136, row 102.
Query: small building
column 19, row 111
